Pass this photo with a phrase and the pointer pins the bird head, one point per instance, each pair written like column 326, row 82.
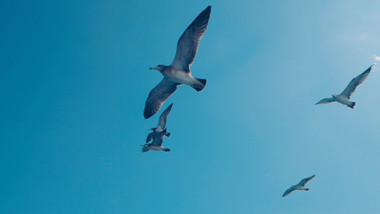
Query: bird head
column 158, row 68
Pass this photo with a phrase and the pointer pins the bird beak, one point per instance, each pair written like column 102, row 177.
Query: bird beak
column 150, row 68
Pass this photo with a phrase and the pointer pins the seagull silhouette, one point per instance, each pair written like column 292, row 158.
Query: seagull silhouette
column 344, row 97
column 178, row 72
column 299, row 186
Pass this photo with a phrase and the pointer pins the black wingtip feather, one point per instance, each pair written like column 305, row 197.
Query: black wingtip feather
column 170, row 106
column 148, row 113
column 202, row 18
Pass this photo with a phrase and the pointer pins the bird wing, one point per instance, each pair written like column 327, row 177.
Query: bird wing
column 288, row 191
column 158, row 138
column 304, row 181
column 149, row 137
column 188, row 43
column 350, row 89
column 158, row 96
column 164, row 117
column 325, row 101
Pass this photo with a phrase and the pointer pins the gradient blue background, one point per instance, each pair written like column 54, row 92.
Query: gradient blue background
column 74, row 78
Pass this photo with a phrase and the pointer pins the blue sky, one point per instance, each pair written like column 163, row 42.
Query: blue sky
column 74, row 78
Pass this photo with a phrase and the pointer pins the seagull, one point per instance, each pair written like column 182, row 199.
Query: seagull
column 161, row 124
column 299, row 186
column 178, row 72
column 344, row 97
column 156, row 145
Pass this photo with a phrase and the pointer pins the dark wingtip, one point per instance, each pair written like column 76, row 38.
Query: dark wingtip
column 369, row 69
column 147, row 114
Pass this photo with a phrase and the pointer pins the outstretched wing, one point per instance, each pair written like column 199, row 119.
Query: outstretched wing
column 288, row 191
column 325, row 101
column 304, row 181
column 149, row 137
column 158, row 96
column 164, row 117
column 188, row 43
column 350, row 89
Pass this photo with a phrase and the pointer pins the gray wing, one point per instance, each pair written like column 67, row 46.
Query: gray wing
column 158, row 96
column 187, row 45
column 325, row 101
column 304, row 181
column 350, row 89
column 158, row 139
column 149, row 137
column 288, row 191
column 164, row 117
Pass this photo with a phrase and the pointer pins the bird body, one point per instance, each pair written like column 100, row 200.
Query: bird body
column 344, row 97
column 178, row 72
column 343, row 100
column 178, row 77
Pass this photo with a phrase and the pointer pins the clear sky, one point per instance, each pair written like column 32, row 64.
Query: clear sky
column 74, row 78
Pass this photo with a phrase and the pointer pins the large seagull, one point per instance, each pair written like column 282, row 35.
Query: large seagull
column 178, row 72
column 344, row 97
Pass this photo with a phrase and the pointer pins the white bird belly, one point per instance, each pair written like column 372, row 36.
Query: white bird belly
column 156, row 148
column 342, row 100
column 181, row 77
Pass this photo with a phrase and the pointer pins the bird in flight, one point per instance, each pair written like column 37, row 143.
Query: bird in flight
column 156, row 145
column 299, row 186
column 158, row 133
column 178, row 72
column 344, row 97
column 161, row 124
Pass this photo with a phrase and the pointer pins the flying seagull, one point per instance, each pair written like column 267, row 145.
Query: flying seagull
column 299, row 186
column 161, row 124
column 156, row 145
column 344, row 97
column 178, row 72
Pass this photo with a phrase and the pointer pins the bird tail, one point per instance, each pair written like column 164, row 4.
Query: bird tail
column 199, row 84
column 166, row 150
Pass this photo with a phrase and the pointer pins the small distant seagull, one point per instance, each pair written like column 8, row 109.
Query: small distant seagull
column 299, row 186
column 344, row 97
column 161, row 124
column 178, row 72
column 156, row 145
